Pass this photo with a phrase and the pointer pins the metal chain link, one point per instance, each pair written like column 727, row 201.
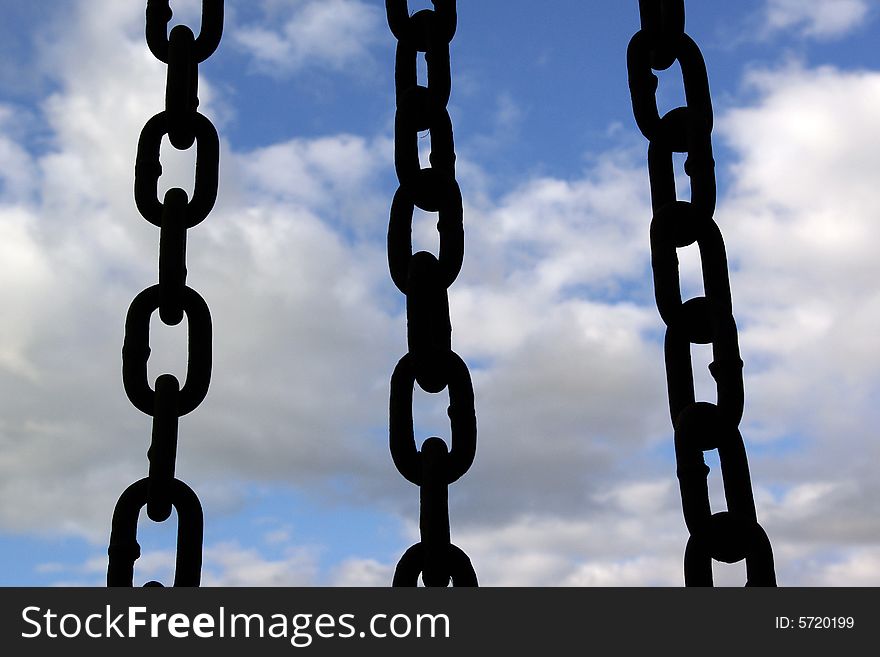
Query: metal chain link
column 425, row 278
column 733, row 535
column 161, row 491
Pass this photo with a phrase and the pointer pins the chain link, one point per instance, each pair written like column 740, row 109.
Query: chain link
column 733, row 535
column 425, row 279
column 161, row 491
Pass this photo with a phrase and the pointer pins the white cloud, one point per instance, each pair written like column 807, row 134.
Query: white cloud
column 557, row 235
column 638, row 537
column 821, row 19
column 223, row 564
column 334, row 176
column 17, row 171
column 229, row 564
column 362, row 572
column 859, row 567
column 800, row 222
column 334, row 34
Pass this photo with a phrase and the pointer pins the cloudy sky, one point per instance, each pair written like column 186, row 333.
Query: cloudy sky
column 574, row 481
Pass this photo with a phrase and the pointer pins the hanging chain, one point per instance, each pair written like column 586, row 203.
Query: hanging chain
column 425, row 279
column 185, row 126
column 735, row 534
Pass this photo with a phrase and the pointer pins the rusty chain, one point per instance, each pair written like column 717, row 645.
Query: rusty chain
column 425, row 278
column 733, row 535
column 161, row 491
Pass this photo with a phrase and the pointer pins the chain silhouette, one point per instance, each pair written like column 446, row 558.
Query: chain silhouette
column 184, row 125
column 735, row 534
column 425, row 279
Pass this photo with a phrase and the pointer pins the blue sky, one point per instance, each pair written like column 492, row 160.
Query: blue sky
column 574, row 480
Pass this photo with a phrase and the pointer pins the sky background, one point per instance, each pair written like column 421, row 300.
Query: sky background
column 574, row 480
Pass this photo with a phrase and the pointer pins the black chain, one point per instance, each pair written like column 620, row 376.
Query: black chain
column 184, row 125
column 425, row 279
column 735, row 534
